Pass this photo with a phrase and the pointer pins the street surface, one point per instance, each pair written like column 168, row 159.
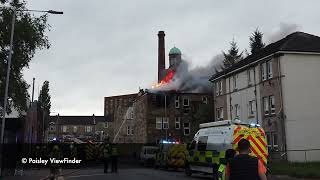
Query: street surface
column 134, row 173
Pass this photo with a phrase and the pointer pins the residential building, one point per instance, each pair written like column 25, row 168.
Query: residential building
column 278, row 88
column 80, row 127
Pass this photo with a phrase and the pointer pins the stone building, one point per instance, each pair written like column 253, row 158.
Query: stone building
column 167, row 115
column 80, row 127
column 278, row 88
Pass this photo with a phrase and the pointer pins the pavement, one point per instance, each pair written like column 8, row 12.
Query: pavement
column 134, row 173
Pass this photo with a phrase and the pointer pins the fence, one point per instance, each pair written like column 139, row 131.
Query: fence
column 297, row 155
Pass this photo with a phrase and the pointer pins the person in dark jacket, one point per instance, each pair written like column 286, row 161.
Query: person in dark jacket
column 114, row 158
column 244, row 166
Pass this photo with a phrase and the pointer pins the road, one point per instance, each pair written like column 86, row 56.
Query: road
column 134, row 173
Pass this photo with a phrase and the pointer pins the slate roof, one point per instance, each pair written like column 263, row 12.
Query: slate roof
column 80, row 120
column 295, row 42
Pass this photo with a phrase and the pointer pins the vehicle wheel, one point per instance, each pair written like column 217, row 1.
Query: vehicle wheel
column 188, row 171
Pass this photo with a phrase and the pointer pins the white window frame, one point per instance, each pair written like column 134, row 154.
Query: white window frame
column 165, row 123
column 88, row 129
column 263, row 68
column 237, row 110
column 75, row 129
column 205, row 99
column 188, row 104
column 251, row 108
column 217, row 88
column 220, row 87
column 221, row 113
column 186, row 128
column 269, row 69
column 273, row 136
column 178, row 122
column 235, row 82
column 177, row 102
column 64, row 128
column 218, row 114
column 158, row 122
column 266, row 108
column 272, row 105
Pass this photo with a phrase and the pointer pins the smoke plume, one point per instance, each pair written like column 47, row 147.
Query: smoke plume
column 195, row 80
column 282, row 31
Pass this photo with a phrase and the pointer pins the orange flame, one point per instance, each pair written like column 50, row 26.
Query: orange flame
column 165, row 80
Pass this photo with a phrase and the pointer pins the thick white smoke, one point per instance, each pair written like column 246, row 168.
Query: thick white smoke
column 195, row 80
column 281, row 31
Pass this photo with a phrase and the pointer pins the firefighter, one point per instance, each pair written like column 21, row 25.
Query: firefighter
column 230, row 153
column 114, row 158
column 106, row 157
column 244, row 166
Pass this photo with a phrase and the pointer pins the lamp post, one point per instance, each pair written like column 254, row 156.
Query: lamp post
column 9, row 69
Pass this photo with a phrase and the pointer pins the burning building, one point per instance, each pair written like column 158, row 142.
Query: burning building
column 172, row 109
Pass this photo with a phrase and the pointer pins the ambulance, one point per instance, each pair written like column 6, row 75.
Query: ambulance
column 207, row 150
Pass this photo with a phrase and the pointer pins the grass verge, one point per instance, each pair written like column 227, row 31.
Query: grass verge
column 299, row 170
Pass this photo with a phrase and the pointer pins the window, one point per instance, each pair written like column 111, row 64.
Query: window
column 158, row 123
column 64, row 129
column 75, row 129
column 106, row 125
column 129, row 130
column 205, row 100
column 269, row 142
column 272, row 105
column 88, row 128
column 217, row 88
column 263, row 71
column 251, row 108
column 177, row 123
column 266, row 105
column 274, row 141
column 220, row 87
column 52, row 128
column 235, row 82
column 218, row 114
column 269, row 68
column 237, row 110
column 249, row 77
column 221, row 114
column 186, row 102
column 177, row 103
column 165, row 123
column 186, row 128
column 202, row 143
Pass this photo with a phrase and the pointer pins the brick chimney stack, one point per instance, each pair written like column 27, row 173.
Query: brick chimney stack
column 161, row 55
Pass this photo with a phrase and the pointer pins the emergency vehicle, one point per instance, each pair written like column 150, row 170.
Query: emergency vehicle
column 207, row 150
column 171, row 154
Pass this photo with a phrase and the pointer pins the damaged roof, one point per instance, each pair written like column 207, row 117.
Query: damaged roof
column 295, row 42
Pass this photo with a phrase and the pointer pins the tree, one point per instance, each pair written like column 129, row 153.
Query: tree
column 29, row 35
column 45, row 100
column 233, row 55
column 256, row 42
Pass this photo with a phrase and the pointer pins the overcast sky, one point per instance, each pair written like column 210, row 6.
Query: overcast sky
column 109, row 47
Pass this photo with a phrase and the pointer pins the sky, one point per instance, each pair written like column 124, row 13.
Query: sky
column 104, row 48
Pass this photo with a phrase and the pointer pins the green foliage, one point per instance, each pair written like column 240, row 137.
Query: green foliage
column 256, row 42
column 29, row 35
column 300, row 170
column 45, row 100
column 233, row 56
